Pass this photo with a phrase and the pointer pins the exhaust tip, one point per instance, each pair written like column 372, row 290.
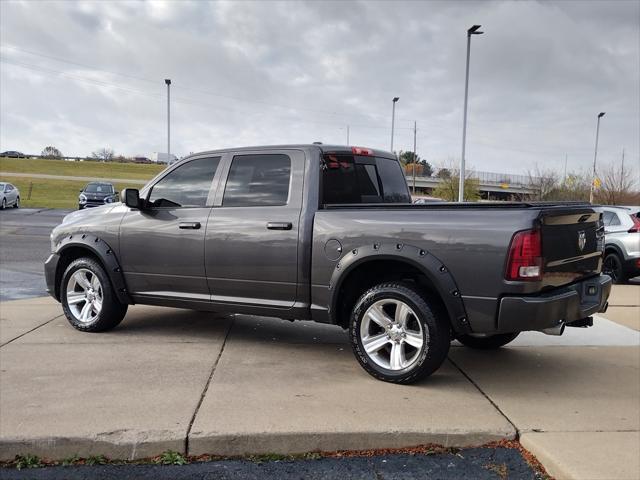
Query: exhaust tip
column 557, row 330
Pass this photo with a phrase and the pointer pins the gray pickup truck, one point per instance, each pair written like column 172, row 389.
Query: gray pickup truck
column 328, row 233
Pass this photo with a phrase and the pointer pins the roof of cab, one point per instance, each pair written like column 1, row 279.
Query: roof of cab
column 303, row 146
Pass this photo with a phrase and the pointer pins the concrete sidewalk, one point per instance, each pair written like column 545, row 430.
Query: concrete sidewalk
column 195, row 383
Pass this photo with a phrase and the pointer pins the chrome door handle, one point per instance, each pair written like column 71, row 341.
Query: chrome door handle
column 191, row 225
column 279, row 225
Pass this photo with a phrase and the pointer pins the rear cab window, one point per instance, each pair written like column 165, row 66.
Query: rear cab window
column 353, row 179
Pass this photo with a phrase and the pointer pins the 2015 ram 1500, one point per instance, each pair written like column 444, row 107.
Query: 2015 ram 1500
column 328, row 233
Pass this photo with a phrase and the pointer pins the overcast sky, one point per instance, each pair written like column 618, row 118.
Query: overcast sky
column 86, row 75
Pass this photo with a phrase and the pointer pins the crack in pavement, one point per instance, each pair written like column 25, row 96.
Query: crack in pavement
column 485, row 395
column 206, row 387
column 29, row 331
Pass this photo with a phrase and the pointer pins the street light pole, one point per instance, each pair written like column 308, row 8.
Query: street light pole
column 415, row 157
column 472, row 31
column 168, row 82
column 347, row 135
column 393, row 119
column 595, row 156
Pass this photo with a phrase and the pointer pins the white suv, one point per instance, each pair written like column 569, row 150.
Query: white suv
column 622, row 239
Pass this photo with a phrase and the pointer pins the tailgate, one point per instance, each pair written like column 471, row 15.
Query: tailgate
column 572, row 244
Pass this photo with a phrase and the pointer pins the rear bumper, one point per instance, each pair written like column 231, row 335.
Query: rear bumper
column 567, row 304
column 50, row 267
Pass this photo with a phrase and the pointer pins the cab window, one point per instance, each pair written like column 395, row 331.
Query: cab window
column 186, row 186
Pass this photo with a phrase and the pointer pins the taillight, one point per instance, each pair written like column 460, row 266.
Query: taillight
column 525, row 256
column 361, row 151
column 636, row 224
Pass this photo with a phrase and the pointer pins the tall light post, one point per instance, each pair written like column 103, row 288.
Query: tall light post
column 595, row 156
column 393, row 119
column 472, row 31
column 168, row 82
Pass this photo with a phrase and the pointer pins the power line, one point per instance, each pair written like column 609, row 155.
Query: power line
column 182, row 100
column 205, row 92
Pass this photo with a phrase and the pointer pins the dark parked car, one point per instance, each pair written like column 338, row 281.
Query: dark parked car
column 13, row 154
column 95, row 194
column 328, row 233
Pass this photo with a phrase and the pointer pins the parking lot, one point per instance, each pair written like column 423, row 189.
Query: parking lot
column 170, row 379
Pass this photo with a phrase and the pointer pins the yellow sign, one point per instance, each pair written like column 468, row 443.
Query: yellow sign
column 597, row 183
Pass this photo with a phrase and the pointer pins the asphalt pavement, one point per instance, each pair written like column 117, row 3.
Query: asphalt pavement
column 24, row 246
column 477, row 463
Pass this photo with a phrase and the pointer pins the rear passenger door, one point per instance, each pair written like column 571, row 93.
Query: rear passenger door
column 251, row 245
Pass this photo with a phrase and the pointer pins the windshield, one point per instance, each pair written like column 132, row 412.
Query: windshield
column 2, row 187
column 98, row 188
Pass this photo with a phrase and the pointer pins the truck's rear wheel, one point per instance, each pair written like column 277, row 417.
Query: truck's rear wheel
column 88, row 299
column 397, row 334
column 490, row 342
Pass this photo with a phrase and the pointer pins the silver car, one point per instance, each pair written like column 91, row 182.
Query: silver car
column 9, row 195
column 622, row 242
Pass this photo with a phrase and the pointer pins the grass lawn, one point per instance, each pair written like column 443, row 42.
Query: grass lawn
column 132, row 171
column 50, row 193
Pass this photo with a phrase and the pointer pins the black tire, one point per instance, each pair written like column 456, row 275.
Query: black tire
column 112, row 311
column 17, row 204
column 4, row 204
column 487, row 343
column 612, row 266
column 430, row 316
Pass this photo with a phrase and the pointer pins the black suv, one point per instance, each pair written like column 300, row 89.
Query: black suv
column 95, row 194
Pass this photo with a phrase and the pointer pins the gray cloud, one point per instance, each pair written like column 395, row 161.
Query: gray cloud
column 90, row 74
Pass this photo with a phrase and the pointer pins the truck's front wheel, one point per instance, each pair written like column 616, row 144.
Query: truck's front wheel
column 397, row 334
column 88, row 299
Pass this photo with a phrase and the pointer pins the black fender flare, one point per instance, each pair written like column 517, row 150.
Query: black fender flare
column 104, row 253
column 427, row 263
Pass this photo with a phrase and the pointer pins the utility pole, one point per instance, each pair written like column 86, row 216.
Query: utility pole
column 347, row 135
column 393, row 119
column 168, row 82
column 415, row 156
column 472, row 31
column 595, row 156
column 564, row 179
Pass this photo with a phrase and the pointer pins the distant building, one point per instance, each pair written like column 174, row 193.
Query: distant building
column 160, row 157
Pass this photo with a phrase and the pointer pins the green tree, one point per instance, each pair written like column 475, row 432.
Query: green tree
column 447, row 189
column 424, row 168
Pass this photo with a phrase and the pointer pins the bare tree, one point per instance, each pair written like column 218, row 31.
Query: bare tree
column 51, row 152
column 103, row 154
column 616, row 185
column 543, row 182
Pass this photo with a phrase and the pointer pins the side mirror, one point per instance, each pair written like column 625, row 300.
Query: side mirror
column 131, row 197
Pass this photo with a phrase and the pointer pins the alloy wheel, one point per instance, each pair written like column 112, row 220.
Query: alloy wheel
column 84, row 295
column 611, row 267
column 392, row 335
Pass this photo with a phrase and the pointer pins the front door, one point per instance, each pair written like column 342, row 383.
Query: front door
column 251, row 249
column 162, row 245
